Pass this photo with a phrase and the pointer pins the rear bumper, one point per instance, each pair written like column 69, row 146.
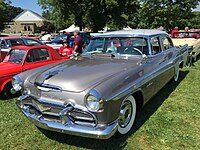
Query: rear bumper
column 97, row 132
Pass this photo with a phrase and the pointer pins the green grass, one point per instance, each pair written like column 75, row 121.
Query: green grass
column 170, row 120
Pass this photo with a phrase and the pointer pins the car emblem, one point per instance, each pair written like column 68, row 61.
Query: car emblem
column 41, row 107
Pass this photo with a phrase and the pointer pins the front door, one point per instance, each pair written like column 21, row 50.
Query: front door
column 36, row 58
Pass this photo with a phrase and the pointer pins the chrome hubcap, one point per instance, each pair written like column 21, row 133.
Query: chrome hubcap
column 125, row 114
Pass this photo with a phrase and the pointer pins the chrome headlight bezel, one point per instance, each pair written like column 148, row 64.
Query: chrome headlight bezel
column 17, row 83
column 94, row 101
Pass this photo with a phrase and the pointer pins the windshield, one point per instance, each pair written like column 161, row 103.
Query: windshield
column 15, row 56
column 118, row 45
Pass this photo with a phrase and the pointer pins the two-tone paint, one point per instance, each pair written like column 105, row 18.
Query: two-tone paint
column 54, row 96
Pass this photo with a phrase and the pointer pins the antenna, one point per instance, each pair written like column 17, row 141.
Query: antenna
column 143, row 41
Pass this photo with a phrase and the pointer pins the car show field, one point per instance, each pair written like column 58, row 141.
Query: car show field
column 170, row 120
column 100, row 75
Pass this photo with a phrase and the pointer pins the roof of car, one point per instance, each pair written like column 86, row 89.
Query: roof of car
column 16, row 37
column 135, row 32
column 28, row 47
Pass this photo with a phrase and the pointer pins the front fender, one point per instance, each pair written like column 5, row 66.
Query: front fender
column 5, row 81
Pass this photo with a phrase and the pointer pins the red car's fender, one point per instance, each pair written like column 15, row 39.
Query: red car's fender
column 5, row 82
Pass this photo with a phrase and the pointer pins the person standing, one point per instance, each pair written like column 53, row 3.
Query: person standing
column 78, row 43
column 174, row 33
column 186, row 32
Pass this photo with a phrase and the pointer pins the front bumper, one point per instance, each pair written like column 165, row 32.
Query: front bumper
column 68, row 127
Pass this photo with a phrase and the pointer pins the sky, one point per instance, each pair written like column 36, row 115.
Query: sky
column 32, row 5
column 27, row 4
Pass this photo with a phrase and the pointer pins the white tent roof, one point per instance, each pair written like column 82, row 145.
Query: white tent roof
column 72, row 28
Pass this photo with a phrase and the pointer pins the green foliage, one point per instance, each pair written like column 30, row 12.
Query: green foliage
column 8, row 12
column 166, row 13
column 194, row 21
column 92, row 13
column 96, row 14
column 47, row 27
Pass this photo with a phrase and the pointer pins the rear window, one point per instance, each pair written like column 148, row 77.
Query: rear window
column 32, row 42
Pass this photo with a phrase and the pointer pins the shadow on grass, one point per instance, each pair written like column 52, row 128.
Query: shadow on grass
column 117, row 142
column 2, row 97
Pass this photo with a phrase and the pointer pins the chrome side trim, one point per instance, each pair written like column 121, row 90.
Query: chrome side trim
column 141, row 81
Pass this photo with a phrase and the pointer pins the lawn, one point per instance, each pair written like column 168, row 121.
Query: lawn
column 171, row 120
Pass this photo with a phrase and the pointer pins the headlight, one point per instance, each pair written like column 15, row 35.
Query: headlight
column 17, row 83
column 94, row 101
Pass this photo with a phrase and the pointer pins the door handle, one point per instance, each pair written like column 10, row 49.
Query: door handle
column 25, row 69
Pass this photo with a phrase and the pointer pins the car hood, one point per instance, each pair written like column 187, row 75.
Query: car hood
column 8, row 68
column 78, row 75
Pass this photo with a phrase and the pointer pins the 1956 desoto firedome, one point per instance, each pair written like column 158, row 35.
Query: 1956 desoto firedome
column 98, row 93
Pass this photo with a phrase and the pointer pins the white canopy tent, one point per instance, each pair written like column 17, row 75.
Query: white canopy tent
column 72, row 28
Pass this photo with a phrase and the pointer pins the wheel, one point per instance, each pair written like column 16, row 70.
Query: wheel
column 127, row 115
column 7, row 89
column 189, row 61
column 176, row 76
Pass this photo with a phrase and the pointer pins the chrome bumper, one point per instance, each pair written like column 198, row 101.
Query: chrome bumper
column 97, row 132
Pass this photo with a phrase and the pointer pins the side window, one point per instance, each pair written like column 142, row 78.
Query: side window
column 3, row 44
column 36, row 55
column 166, row 42
column 155, row 45
column 15, row 42
column 32, row 42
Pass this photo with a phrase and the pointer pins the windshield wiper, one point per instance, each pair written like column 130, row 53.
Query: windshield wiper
column 104, row 54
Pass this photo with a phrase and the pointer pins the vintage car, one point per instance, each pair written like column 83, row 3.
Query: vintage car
column 10, row 41
column 22, row 58
column 193, row 41
column 99, row 93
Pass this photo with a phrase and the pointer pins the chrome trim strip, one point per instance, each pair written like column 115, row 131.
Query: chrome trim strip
column 47, row 87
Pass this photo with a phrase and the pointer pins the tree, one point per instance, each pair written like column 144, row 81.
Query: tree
column 46, row 27
column 167, row 13
column 8, row 12
column 122, row 13
column 96, row 14
column 194, row 21
column 93, row 13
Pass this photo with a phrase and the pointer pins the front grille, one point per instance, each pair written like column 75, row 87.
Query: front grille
column 55, row 113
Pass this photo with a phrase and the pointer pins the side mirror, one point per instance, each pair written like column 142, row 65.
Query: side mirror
column 144, row 57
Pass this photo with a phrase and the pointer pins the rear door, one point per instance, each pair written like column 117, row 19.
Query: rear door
column 162, row 54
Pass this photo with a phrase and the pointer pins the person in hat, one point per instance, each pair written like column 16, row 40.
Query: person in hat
column 65, row 50
column 78, row 43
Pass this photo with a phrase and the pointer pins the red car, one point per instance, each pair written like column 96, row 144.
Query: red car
column 22, row 58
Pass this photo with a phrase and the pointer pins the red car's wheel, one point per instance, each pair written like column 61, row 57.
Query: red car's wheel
column 7, row 89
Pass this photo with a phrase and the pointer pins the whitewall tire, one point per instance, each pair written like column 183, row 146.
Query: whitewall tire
column 176, row 76
column 127, row 115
